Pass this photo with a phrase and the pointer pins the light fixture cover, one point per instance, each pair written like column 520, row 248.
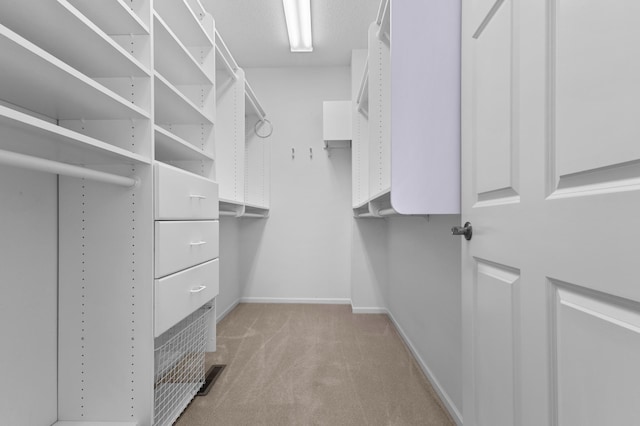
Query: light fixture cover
column 298, row 16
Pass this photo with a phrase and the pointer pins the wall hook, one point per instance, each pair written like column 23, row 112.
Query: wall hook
column 293, row 153
column 310, row 152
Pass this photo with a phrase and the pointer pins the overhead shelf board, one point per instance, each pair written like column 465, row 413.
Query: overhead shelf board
column 183, row 22
column 60, row 29
column 40, row 82
column 56, row 143
column 172, row 58
column 170, row 147
column 113, row 17
column 172, row 107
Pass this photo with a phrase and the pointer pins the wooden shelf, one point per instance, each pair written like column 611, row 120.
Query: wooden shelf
column 170, row 147
column 35, row 80
column 252, row 106
column 113, row 16
column 172, row 107
column 363, row 93
column 56, row 143
column 224, row 59
column 173, row 60
column 183, row 22
column 60, row 29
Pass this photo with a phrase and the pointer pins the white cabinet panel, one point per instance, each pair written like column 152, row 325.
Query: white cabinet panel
column 183, row 195
column 178, row 295
column 180, row 245
column 336, row 120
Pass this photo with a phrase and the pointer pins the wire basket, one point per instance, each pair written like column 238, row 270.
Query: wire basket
column 179, row 365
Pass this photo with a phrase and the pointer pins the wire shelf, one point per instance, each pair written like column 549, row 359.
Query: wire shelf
column 179, row 365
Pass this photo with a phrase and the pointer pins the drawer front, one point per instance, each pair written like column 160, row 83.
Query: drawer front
column 183, row 195
column 182, row 244
column 178, row 295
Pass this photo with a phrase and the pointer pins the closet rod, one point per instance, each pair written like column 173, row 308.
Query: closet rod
column 253, row 215
column 228, row 213
column 40, row 164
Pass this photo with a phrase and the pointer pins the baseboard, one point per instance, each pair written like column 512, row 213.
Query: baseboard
column 226, row 311
column 303, row 300
column 444, row 397
column 369, row 310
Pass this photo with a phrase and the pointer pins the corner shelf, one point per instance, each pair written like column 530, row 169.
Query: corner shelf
column 173, row 60
column 44, row 84
column 170, row 147
column 172, row 107
column 182, row 20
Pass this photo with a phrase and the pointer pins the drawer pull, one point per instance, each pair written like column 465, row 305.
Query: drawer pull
column 198, row 243
column 197, row 289
column 201, row 197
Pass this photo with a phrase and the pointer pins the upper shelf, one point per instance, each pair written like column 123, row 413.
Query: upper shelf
column 173, row 60
column 363, row 93
column 63, row 31
column 114, row 16
column 40, row 82
column 172, row 107
column 170, row 147
column 183, row 22
column 224, row 59
column 384, row 21
column 252, row 106
column 25, row 134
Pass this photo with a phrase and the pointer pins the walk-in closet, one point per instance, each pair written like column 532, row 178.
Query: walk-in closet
column 332, row 212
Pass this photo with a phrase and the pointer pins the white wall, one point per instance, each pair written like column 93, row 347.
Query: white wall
column 425, row 297
column 229, row 266
column 369, row 266
column 28, row 297
column 303, row 250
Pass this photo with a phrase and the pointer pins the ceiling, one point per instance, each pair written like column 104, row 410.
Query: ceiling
column 255, row 31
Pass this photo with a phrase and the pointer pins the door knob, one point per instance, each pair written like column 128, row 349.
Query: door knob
column 466, row 230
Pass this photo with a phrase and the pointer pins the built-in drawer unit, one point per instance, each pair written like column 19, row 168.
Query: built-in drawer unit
column 183, row 195
column 178, row 295
column 182, row 244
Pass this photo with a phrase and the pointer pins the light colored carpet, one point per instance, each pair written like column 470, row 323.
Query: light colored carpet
column 313, row 365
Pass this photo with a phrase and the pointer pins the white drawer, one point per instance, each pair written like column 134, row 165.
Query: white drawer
column 183, row 195
column 182, row 244
column 178, row 295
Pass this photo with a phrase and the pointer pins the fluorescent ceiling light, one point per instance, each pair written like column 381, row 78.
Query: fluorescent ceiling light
column 298, row 16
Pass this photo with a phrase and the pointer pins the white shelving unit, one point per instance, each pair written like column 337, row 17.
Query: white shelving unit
column 371, row 144
column 243, row 157
column 408, row 168
column 100, row 93
column 186, row 202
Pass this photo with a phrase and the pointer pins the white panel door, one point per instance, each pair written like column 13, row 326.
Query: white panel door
column 551, row 186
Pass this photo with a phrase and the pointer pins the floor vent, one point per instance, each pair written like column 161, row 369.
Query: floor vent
column 212, row 375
